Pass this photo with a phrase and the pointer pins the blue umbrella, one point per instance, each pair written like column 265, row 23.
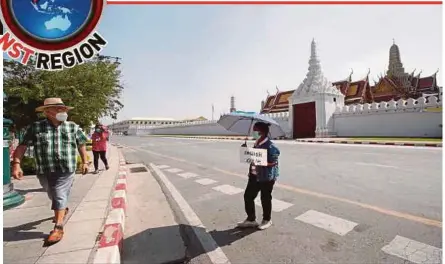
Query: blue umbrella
column 242, row 123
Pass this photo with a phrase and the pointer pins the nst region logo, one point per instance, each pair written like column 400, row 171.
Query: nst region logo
column 59, row 33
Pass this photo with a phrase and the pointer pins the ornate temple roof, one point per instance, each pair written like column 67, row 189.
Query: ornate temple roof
column 354, row 91
column 277, row 103
column 393, row 85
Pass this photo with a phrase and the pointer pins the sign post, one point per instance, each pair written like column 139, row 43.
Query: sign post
column 11, row 198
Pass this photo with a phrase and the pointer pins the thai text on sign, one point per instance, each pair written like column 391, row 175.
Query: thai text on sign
column 253, row 155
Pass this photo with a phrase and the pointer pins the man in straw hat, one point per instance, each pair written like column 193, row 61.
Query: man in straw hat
column 55, row 142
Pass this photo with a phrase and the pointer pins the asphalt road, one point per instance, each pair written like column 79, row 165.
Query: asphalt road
column 332, row 203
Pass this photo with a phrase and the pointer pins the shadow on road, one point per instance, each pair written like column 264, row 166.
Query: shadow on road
column 23, row 232
column 226, row 237
column 166, row 244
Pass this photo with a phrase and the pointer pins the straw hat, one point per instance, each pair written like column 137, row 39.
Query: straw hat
column 52, row 102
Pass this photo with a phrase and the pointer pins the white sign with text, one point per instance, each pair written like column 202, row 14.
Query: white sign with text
column 253, row 155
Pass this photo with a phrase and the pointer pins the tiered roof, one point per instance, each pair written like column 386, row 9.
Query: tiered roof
column 395, row 84
column 277, row 103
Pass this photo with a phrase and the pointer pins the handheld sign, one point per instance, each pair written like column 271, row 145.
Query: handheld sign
column 253, row 155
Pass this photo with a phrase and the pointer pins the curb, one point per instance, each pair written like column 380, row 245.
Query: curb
column 111, row 238
column 224, row 138
column 437, row 145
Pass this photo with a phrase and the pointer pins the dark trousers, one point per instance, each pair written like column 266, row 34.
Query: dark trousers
column 103, row 157
column 251, row 192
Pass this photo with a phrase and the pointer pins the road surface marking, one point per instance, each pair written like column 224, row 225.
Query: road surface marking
column 228, row 189
column 406, row 216
column 375, row 165
column 207, row 197
column 330, row 223
column 277, row 205
column 187, row 175
column 205, row 181
column 163, row 166
column 413, row 251
column 174, row 170
column 213, row 251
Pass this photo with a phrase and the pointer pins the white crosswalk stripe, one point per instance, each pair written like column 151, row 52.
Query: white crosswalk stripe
column 327, row 222
column 205, row 181
column 163, row 166
column 413, row 251
column 277, row 205
column 173, row 170
column 228, row 189
column 187, row 175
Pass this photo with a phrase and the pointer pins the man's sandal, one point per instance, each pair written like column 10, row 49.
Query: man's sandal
column 64, row 217
column 55, row 235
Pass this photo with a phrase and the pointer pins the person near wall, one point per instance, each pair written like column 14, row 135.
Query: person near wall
column 55, row 141
column 99, row 141
column 261, row 179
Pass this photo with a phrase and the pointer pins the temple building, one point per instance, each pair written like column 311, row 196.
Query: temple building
column 276, row 103
column 395, row 84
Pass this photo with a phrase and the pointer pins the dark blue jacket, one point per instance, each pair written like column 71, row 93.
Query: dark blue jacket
column 269, row 173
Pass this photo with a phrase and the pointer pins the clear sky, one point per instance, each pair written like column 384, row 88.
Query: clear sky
column 179, row 60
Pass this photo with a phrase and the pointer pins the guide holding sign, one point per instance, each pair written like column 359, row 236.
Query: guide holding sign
column 261, row 179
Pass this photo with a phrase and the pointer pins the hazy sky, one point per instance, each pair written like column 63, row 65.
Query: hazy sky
column 179, row 60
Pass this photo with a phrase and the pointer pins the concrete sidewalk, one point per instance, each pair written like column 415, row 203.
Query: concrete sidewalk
column 26, row 227
column 152, row 234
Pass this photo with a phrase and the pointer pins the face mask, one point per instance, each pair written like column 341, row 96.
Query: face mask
column 63, row 116
column 256, row 135
column 98, row 130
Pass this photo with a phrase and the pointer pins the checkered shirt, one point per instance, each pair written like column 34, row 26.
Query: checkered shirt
column 54, row 147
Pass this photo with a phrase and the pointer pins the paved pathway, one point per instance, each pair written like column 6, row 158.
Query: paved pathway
column 25, row 227
column 152, row 234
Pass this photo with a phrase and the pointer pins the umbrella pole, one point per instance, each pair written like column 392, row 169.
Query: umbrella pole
column 248, row 133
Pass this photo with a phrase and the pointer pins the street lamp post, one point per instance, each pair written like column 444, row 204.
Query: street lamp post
column 11, row 198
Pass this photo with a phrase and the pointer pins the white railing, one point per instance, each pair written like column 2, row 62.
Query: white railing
column 391, row 106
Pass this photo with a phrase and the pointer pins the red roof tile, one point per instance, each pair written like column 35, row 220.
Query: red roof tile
column 426, row 82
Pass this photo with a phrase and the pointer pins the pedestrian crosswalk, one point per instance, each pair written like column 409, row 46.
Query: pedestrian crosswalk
column 228, row 189
column 413, row 251
column 188, row 175
column 205, row 181
column 401, row 247
column 277, row 205
column 327, row 222
column 173, row 170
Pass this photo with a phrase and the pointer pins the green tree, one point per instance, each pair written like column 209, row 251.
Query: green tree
column 93, row 89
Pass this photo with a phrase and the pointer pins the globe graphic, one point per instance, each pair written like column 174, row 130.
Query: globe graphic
column 51, row 20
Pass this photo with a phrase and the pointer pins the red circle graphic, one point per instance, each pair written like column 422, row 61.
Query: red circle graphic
column 97, row 7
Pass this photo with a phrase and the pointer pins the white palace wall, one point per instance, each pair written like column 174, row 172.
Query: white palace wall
column 410, row 118
column 404, row 118
column 208, row 127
